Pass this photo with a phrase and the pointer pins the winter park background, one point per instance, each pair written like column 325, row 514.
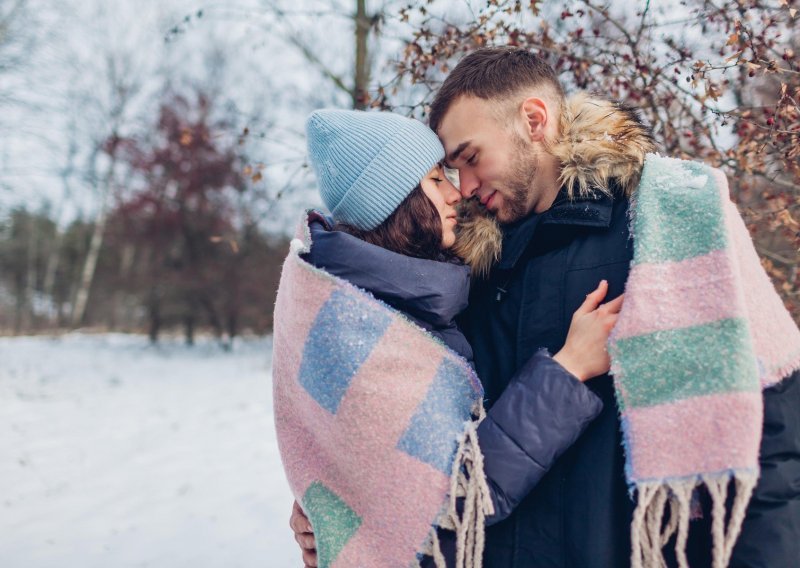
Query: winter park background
column 117, row 453
column 152, row 168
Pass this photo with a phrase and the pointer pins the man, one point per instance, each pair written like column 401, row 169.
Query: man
column 558, row 173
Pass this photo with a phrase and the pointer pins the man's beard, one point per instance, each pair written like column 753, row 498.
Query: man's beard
column 519, row 184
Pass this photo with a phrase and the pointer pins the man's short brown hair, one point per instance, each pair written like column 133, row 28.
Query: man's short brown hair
column 493, row 73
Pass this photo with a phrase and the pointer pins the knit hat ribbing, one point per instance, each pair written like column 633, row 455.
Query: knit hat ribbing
column 368, row 162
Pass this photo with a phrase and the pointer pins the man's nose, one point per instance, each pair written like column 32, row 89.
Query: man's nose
column 468, row 184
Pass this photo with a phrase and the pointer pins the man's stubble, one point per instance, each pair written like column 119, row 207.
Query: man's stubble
column 520, row 182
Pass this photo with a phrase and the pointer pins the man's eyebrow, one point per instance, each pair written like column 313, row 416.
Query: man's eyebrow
column 456, row 153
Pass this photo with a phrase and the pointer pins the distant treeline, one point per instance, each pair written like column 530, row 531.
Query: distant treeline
column 178, row 242
column 202, row 282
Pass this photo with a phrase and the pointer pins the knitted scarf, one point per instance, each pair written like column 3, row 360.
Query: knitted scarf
column 701, row 333
column 374, row 418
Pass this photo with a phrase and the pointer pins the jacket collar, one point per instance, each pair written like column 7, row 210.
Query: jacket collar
column 430, row 291
column 594, row 210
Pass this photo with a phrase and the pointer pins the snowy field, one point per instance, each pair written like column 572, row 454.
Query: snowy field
column 117, row 454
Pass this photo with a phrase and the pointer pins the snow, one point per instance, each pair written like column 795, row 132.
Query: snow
column 114, row 453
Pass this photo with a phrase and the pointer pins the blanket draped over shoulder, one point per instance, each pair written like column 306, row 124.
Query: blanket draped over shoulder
column 701, row 333
column 376, row 424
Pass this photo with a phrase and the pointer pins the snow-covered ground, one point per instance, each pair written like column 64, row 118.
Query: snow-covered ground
column 117, row 454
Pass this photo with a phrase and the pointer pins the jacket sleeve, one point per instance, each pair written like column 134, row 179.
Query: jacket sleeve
column 541, row 413
column 771, row 530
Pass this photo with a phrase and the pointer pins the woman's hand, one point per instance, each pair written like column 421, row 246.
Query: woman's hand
column 304, row 536
column 585, row 354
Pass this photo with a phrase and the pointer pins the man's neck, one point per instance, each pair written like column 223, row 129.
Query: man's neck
column 548, row 197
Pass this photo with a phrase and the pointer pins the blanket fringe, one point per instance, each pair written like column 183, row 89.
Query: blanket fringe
column 436, row 551
column 468, row 482
column 777, row 375
column 652, row 529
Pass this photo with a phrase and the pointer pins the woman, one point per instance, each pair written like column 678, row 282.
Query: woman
column 392, row 233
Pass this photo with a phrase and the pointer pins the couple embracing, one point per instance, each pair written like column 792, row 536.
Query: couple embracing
column 441, row 352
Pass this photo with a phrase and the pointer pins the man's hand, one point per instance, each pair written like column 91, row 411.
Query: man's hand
column 584, row 354
column 304, row 536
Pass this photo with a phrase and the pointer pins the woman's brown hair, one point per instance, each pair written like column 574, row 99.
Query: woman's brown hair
column 413, row 229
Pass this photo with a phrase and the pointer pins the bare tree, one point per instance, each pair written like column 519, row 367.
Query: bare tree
column 118, row 82
column 16, row 41
column 293, row 26
column 717, row 80
column 123, row 86
column 363, row 25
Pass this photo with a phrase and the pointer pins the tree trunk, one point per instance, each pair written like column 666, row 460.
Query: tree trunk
column 53, row 258
column 154, row 313
column 90, row 264
column 54, row 254
column 33, row 269
column 233, row 323
column 25, row 298
column 361, row 79
column 125, row 263
column 188, row 327
column 21, row 282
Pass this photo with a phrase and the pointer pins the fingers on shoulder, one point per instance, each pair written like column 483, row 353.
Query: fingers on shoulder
column 305, row 540
column 310, row 559
column 298, row 522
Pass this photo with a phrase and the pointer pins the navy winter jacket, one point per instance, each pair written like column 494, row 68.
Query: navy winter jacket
column 542, row 412
column 578, row 515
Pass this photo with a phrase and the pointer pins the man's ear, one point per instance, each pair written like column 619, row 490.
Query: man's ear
column 535, row 113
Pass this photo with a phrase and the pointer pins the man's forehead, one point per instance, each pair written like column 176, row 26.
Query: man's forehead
column 467, row 120
column 457, row 110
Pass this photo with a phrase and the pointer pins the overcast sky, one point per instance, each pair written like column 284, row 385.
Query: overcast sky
column 67, row 50
column 62, row 93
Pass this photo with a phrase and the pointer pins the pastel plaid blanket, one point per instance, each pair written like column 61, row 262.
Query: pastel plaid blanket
column 375, row 424
column 701, row 333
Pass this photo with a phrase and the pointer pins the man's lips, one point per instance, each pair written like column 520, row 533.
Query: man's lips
column 488, row 200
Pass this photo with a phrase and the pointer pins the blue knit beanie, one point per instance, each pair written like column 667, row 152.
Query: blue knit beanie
column 368, row 162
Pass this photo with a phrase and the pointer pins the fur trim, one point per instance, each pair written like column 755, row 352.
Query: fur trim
column 600, row 142
column 479, row 239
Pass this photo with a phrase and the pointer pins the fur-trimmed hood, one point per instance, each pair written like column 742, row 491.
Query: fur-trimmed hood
column 601, row 144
